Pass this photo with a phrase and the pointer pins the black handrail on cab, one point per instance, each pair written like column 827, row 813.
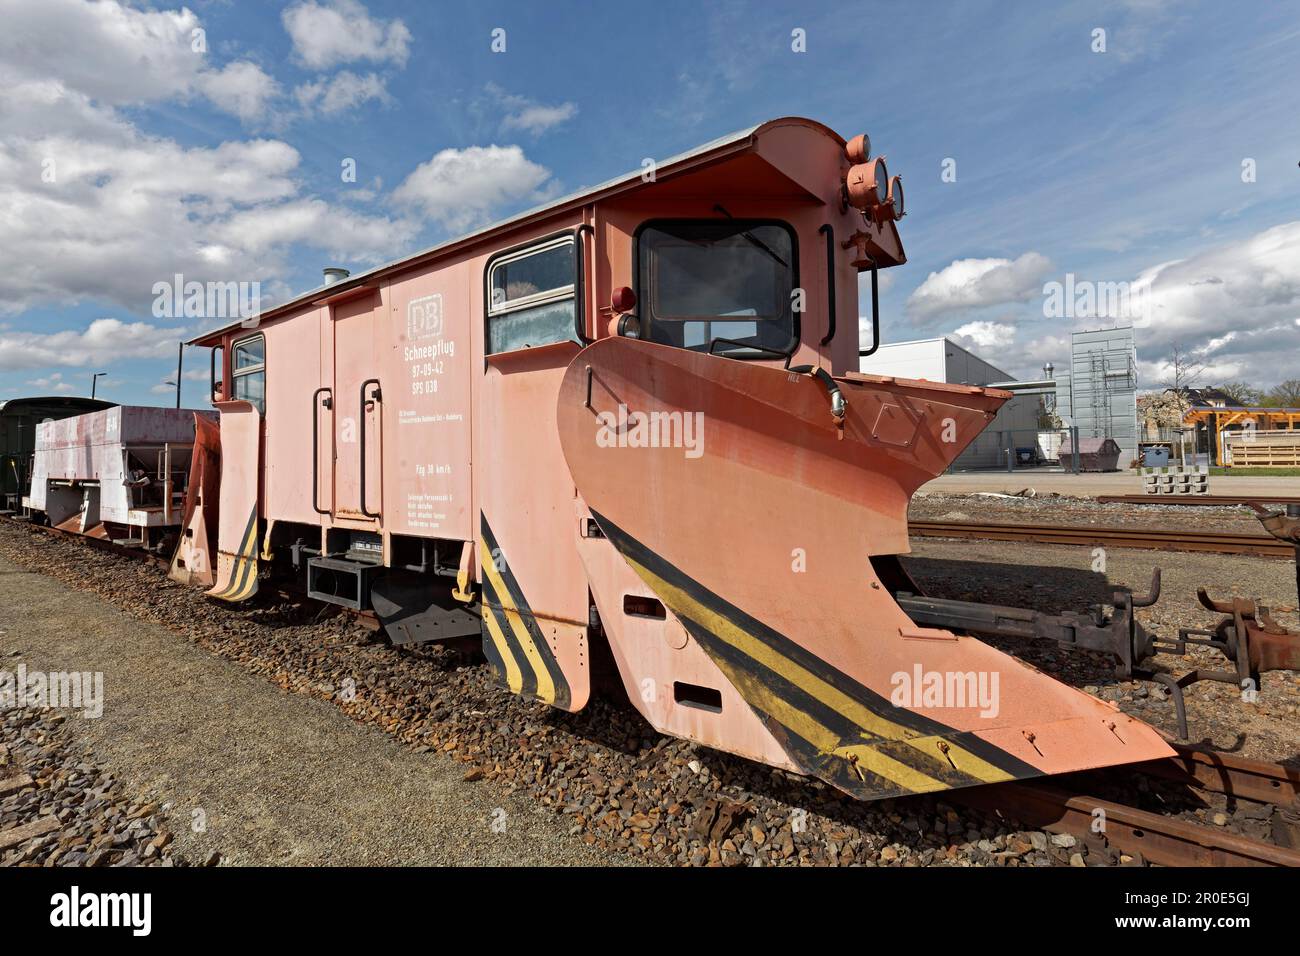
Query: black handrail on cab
column 378, row 397
column 315, row 447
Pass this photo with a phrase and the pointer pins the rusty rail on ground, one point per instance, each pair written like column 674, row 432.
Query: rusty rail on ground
column 1226, row 773
column 1165, row 840
column 1140, row 538
column 1219, row 501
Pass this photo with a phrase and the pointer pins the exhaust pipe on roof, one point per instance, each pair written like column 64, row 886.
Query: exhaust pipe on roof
column 335, row 274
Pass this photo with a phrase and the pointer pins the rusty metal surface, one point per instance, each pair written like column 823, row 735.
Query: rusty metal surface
column 1225, row 773
column 1139, row 538
column 1214, row 501
column 815, row 657
column 1167, row 841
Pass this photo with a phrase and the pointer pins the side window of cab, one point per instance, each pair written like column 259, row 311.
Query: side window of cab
column 248, row 371
column 531, row 296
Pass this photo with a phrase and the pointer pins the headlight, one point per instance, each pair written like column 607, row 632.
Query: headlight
column 867, row 184
column 896, row 197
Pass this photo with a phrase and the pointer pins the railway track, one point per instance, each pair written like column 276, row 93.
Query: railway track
column 1063, row 805
column 1216, row 501
column 1217, row 542
column 1067, row 804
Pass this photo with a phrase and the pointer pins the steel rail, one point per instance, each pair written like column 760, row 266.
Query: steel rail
column 1167, row 841
column 1228, row 774
column 1140, row 538
column 1218, row 501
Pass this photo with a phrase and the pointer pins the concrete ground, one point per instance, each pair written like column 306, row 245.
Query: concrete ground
column 1087, row 485
column 276, row 778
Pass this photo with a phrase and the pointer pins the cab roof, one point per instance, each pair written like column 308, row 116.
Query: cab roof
column 733, row 143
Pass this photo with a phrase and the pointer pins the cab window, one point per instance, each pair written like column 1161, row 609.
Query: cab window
column 248, row 371
column 531, row 297
column 724, row 285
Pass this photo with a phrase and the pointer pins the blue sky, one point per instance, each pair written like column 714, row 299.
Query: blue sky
column 224, row 163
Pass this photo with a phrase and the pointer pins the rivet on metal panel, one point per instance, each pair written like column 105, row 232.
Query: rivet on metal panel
column 1031, row 737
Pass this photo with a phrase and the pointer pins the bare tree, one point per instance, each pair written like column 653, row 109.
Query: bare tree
column 1243, row 393
column 1184, row 369
column 1286, row 395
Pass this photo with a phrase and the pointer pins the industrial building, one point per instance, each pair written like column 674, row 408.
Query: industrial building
column 1097, row 393
column 943, row 360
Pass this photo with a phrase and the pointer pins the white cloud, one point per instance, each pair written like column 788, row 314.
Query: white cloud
column 979, row 283
column 102, row 341
column 116, row 55
column 1233, row 308
column 93, row 209
column 342, row 31
column 53, row 383
column 528, row 115
column 985, row 336
column 241, row 89
column 341, row 92
column 460, row 187
column 101, row 212
column 340, row 232
column 537, row 119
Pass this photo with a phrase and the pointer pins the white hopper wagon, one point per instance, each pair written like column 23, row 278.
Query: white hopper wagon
column 119, row 474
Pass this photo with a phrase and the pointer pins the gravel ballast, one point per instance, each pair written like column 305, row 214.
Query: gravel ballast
column 603, row 776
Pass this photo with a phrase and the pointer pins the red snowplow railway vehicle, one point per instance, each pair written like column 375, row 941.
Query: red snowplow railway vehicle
column 626, row 426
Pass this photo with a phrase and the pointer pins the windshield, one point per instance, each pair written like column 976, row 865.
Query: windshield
column 707, row 280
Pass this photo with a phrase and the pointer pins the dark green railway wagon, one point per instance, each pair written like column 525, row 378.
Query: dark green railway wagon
column 18, row 420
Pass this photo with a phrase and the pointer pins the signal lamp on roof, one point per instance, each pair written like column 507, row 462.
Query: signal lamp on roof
column 867, row 184
column 858, row 148
column 896, row 197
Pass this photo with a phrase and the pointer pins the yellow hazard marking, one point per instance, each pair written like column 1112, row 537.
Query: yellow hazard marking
column 545, row 685
column 805, row 726
column 514, row 679
column 233, row 591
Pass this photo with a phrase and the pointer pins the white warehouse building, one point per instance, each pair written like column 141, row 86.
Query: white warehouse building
column 943, row 360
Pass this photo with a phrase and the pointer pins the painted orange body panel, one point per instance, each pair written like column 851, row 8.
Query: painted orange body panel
column 193, row 561
column 775, row 638
column 236, row 577
column 759, row 541
column 526, row 498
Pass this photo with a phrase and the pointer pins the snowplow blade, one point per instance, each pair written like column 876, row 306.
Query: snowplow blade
column 192, row 562
column 752, row 512
column 237, row 512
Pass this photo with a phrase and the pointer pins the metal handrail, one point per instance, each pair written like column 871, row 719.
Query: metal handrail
column 378, row 397
column 315, row 447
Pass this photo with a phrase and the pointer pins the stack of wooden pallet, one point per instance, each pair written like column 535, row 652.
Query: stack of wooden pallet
column 1263, row 449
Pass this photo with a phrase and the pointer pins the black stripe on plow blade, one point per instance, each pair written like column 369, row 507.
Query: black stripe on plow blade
column 512, row 614
column 832, row 726
column 243, row 576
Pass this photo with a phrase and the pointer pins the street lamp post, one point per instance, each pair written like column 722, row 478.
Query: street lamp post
column 94, row 380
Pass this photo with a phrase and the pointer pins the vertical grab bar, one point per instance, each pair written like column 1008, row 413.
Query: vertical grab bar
column 829, row 232
column 875, row 315
column 580, row 281
column 315, row 447
column 378, row 397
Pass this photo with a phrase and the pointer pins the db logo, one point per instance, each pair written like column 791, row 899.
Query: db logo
column 424, row 318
